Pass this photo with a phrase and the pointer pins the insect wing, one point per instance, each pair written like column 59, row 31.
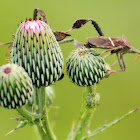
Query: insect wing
column 125, row 41
column 100, row 42
column 121, row 41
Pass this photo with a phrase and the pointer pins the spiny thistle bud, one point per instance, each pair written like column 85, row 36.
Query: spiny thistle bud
column 15, row 86
column 85, row 68
column 35, row 48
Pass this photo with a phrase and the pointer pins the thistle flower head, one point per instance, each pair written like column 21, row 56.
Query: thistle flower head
column 85, row 68
column 35, row 49
column 15, row 86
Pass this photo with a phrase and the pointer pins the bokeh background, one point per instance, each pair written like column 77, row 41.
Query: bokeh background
column 119, row 93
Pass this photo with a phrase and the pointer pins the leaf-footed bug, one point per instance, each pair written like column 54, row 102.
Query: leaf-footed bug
column 115, row 45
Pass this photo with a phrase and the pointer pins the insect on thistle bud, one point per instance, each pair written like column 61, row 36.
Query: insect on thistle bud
column 35, row 49
column 85, row 68
column 16, row 86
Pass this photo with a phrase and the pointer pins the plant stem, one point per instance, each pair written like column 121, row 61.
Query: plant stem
column 83, row 124
column 106, row 126
column 40, row 105
column 43, row 135
column 47, row 128
column 88, row 108
column 39, row 100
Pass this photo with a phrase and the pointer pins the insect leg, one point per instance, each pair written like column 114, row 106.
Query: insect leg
column 107, row 55
column 119, row 61
column 113, row 71
column 113, row 50
column 122, row 66
column 121, row 56
column 107, row 51
column 114, row 63
column 65, row 40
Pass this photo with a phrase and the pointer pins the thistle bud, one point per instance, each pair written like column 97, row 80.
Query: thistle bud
column 35, row 49
column 15, row 86
column 85, row 67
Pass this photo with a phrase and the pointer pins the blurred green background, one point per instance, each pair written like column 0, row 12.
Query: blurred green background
column 119, row 93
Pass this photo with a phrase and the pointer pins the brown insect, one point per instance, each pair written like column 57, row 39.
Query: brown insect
column 115, row 45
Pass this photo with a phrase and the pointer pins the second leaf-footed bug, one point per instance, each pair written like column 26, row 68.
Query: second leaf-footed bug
column 115, row 45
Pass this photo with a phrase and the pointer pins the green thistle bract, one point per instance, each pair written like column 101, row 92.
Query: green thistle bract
column 15, row 86
column 35, row 48
column 85, row 68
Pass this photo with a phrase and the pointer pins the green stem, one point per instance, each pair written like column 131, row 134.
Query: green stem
column 106, row 126
column 88, row 109
column 43, row 135
column 47, row 128
column 35, row 96
column 26, row 114
column 83, row 124
column 39, row 100
column 40, row 108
